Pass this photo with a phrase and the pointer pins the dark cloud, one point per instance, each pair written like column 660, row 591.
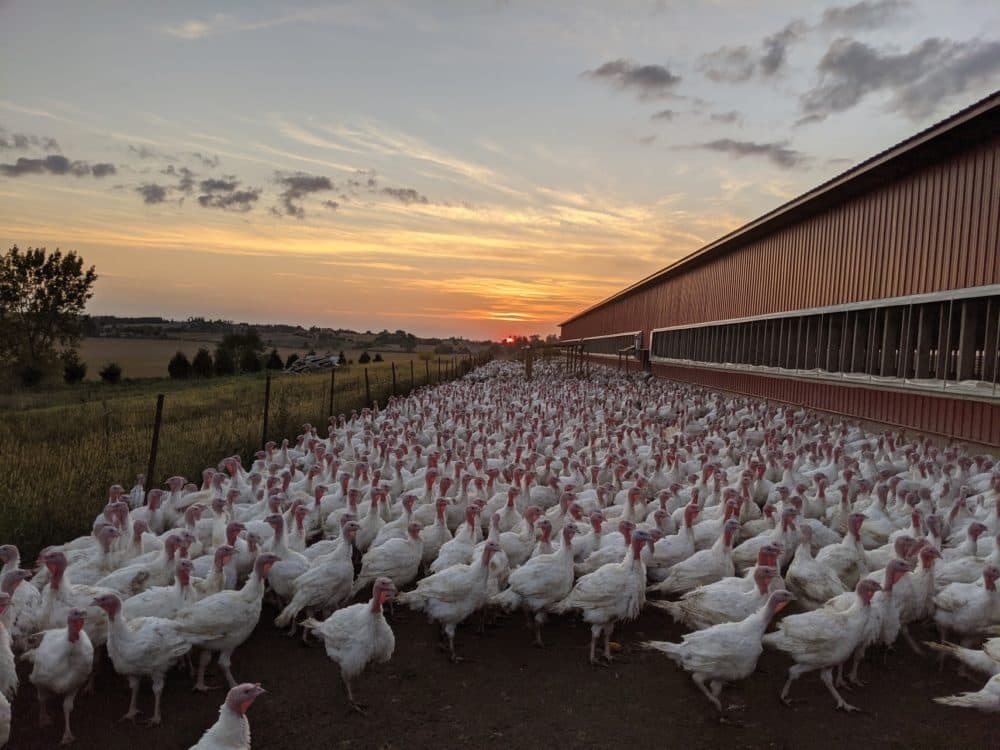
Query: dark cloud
column 184, row 176
column 297, row 186
column 363, row 180
column 57, row 165
column 776, row 47
column 232, row 200
column 739, row 64
column 406, row 196
column 864, row 15
column 22, row 142
column 332, row 205
column 103, row 169
column 648, row 81
column 647, row 140
column 777, row 153
column 918, row 80
column 664, row 114
column 145, row 152
column 216, row 185
column 727, row 118
column 207, row 160
column 152, row 193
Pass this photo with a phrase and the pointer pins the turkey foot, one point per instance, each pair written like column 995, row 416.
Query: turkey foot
column 357, row 708
column 130, row 716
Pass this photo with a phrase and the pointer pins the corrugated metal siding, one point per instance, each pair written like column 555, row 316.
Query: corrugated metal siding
column 934, row 230
column 960, row 419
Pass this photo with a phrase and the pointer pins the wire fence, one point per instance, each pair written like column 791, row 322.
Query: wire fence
column 56, row 462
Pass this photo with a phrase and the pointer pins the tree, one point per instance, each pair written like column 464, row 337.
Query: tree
column 111, row 374
column 73, row 369
column 249, row 362
column 378, row 357
column 444, row 349
column 274, row 361
column 365, row 358
column 179, row 367
column 342, row 359
column 292, row 359
column 225, row 363
column 202, row 365
column 42, row 297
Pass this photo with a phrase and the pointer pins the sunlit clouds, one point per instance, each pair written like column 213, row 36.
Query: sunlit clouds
column 479, row 169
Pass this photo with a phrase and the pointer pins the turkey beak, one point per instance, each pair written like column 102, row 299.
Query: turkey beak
column 258, row 690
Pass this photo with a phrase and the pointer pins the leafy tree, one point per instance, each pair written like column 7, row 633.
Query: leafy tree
column 274, row 361
column 42, row 297
column 202, row 365
column 292, row 359
column 112, row 373
column 225, row 362
column 342, row 359
column 377, row 357
column 179, row 367
column 249, row 362
column 73, row 369
column 444, row 349
column 365, row 358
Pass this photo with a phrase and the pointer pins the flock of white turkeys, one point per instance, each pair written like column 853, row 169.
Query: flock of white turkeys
column 552, row 496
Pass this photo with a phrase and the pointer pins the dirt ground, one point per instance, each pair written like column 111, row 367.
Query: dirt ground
column 508, row 694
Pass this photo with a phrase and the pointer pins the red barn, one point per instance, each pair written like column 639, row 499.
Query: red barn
column 875, row 295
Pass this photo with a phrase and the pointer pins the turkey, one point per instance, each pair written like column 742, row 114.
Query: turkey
column 724, row 652
column 613, row 592
column 540, row 583
column 221, row 622
column 847, row 559
column 968, row 609
column 232, row 730
column 448, row 597
column 436, row 535
column 327, row 583
column 357, row 635
column 721, row 601
column 812, row 582
column 143, row 647
column 26, row 601
column 8, row 670
column 986, row 700
column 823, row 639
column 396, row 559
column 671, row 550
column 704, row 566
column 163, row 601
column 985, row 660
column 288, row 565
column 62, row 662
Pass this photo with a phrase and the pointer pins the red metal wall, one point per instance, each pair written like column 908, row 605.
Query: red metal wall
column 960, row 419
column 933, row 230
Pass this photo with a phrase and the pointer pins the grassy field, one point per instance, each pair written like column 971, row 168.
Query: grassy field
column 61, row 449
column 148, row 358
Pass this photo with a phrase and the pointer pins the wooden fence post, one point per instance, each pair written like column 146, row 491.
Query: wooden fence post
column 427, row 370
column 393, row 378
column 267, row 406
column 368, row 390
column 333, row 386
column 157, row 421
column 413, row 383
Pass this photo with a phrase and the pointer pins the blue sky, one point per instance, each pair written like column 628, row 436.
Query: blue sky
column 455, row 167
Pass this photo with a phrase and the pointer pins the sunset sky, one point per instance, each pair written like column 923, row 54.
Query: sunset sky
column 464, row 167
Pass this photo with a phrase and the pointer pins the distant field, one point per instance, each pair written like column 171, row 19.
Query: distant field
column 148, row 358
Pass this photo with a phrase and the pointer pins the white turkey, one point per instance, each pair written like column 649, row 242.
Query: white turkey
column 357, row 635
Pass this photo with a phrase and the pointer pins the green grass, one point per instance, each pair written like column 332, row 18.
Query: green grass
column 60, row 449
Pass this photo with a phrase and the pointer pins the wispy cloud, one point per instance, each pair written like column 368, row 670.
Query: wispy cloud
column 778, row 153
column 56, row 164
column 646, row 81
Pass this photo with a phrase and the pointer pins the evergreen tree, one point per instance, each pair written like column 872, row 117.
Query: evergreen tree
column 179, row 367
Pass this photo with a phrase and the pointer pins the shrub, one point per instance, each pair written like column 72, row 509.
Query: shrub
column 249, row 362
column 31, row 375
column 225, row 364
column 377, row 357
column 73, row 369
column 111, row 374
column 274, row 361
column 179, row 368
column 292, row 359
column 364, row 359
column 425, row 356
column 342, row 359
column 202, row 365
